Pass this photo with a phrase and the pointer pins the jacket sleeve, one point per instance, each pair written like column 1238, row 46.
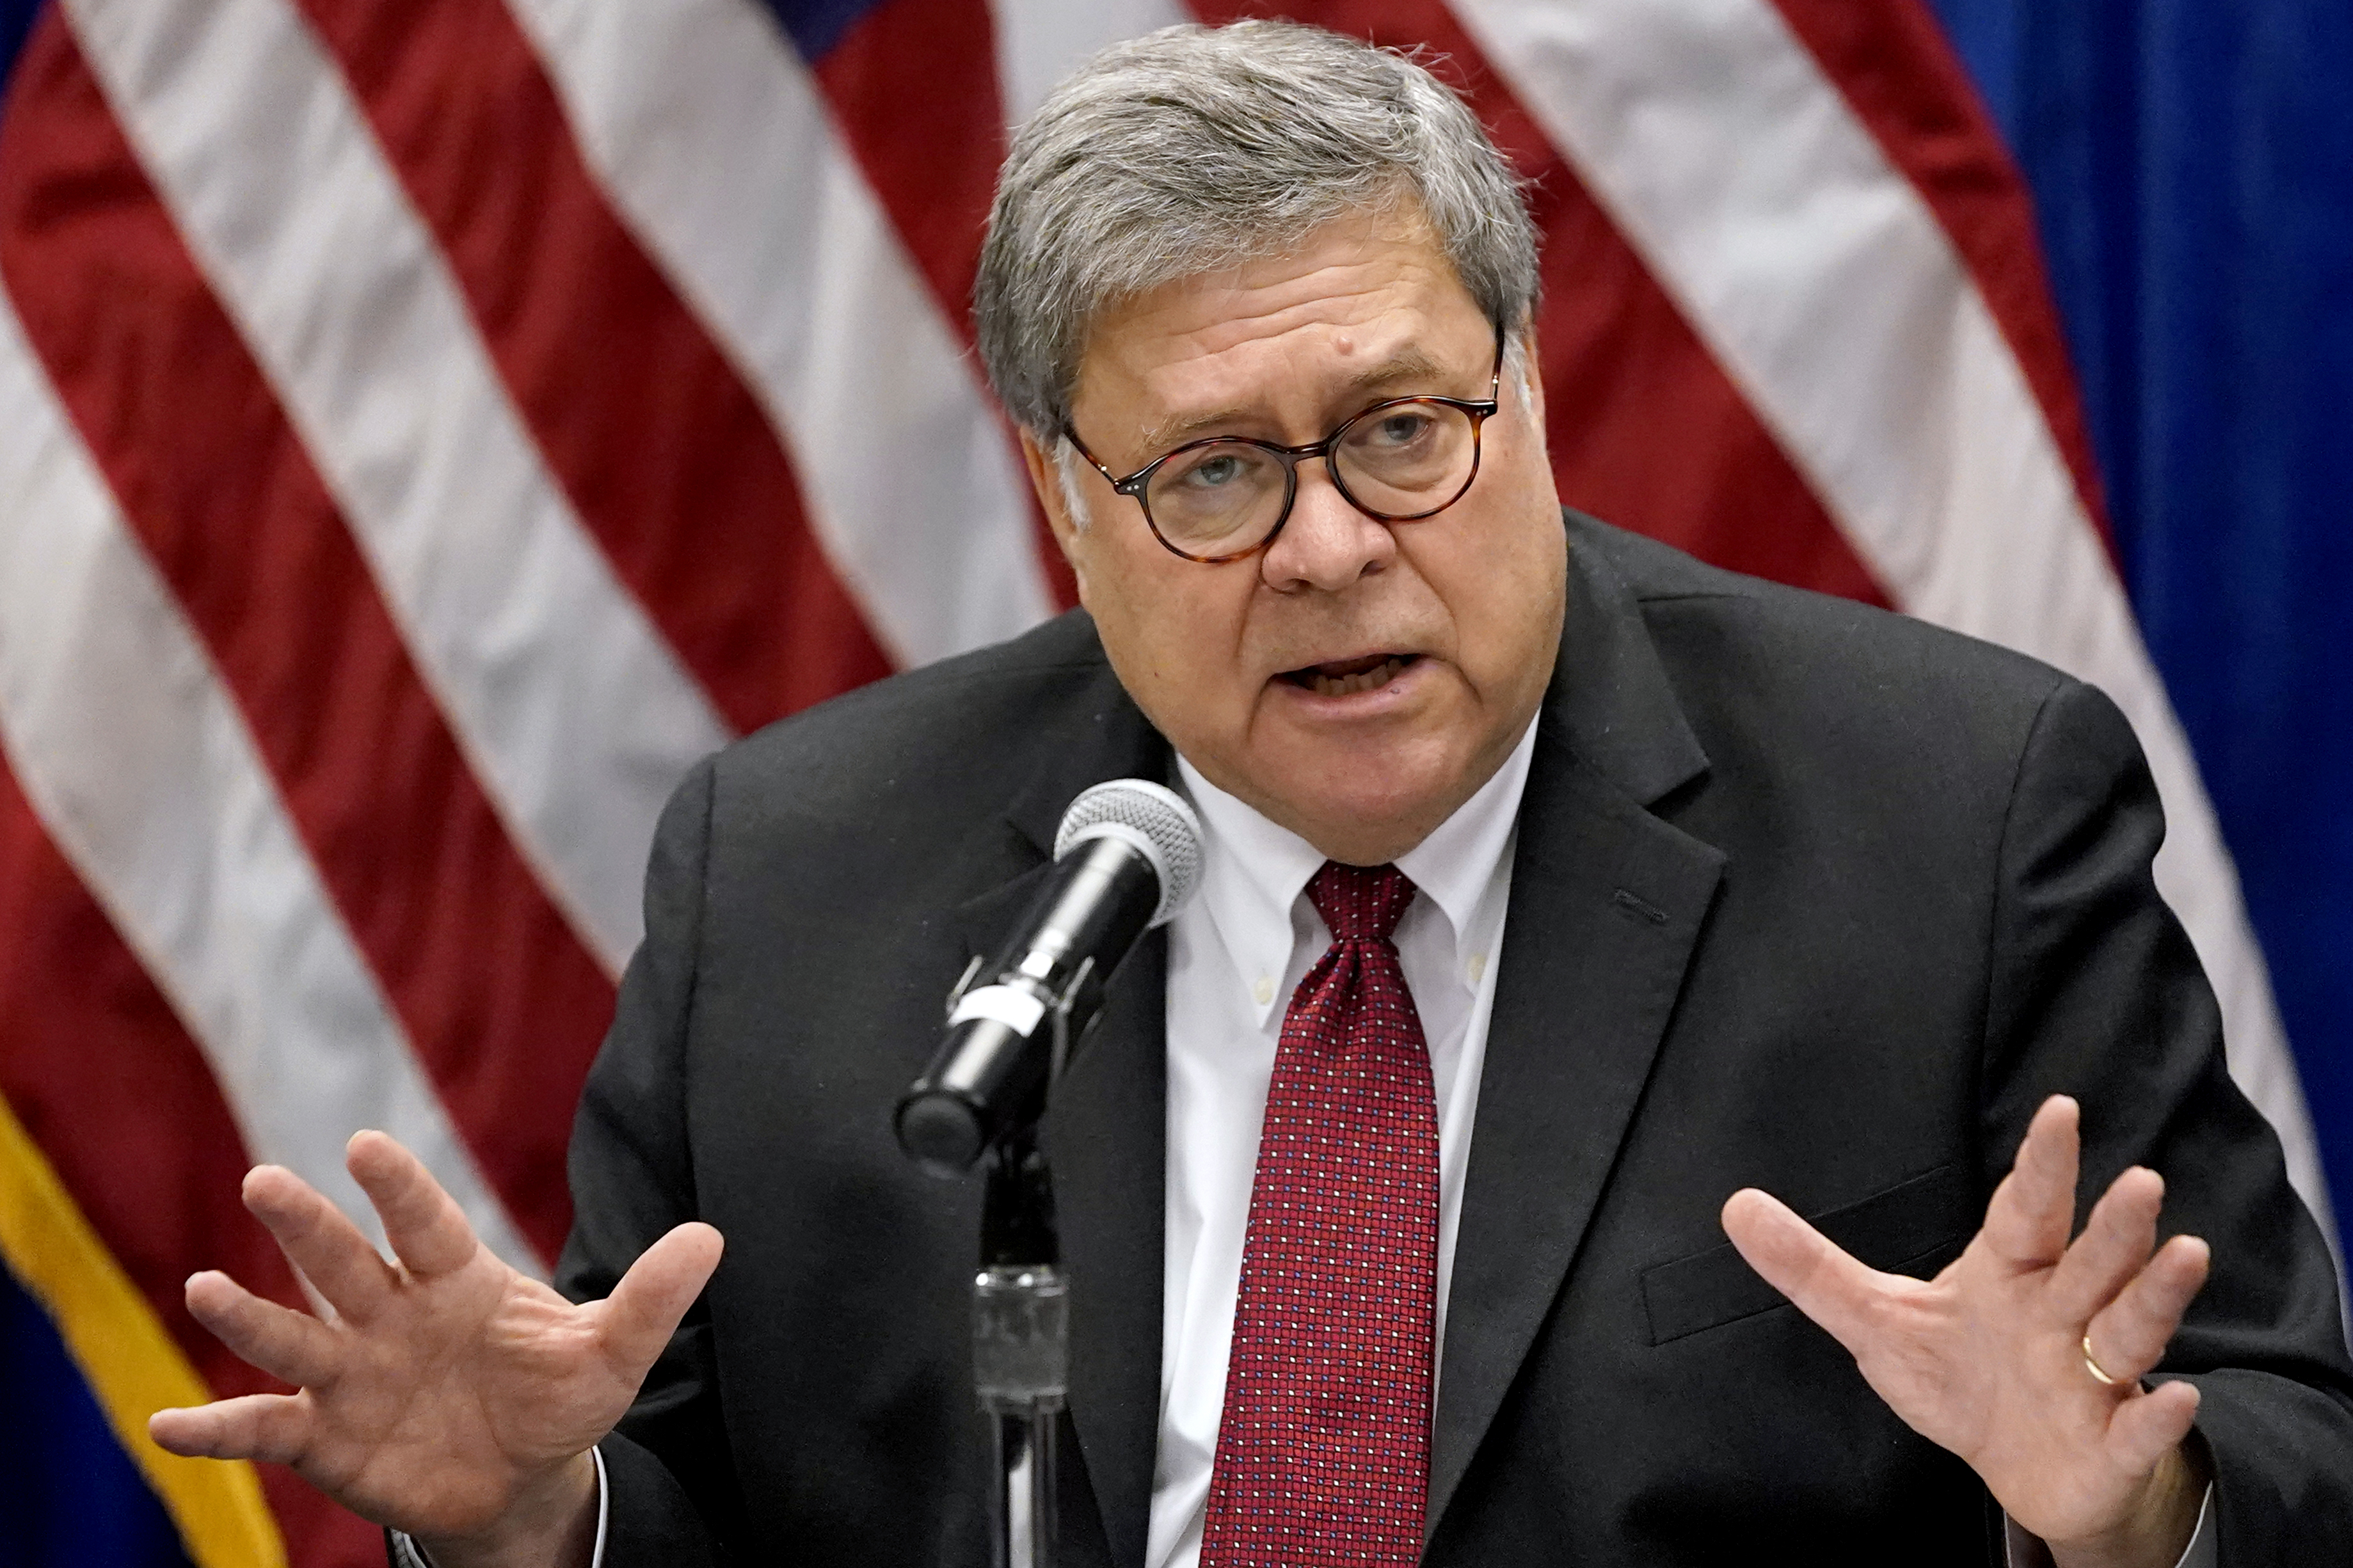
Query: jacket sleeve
column 672, row 1497
column 2094, row 991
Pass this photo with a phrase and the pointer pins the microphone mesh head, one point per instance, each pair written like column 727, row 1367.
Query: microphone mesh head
column 1154, row 811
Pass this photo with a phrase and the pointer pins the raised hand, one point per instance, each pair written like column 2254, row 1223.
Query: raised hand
column 1988, row 1358
column 452, row 1396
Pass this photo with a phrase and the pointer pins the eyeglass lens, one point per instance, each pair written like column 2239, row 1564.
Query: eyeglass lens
column 1397, row 462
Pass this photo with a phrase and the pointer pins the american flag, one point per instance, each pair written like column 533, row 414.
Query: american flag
column 427, row 427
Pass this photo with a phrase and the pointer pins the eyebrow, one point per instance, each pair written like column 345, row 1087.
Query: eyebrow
column 1408, row 364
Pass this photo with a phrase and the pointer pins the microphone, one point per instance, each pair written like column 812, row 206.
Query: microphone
column 1126, row 857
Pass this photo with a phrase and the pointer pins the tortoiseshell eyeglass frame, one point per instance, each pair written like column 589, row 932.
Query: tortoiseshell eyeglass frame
column 1480, row 411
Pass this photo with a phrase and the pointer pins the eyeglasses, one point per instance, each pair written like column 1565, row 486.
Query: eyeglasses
column 1223, row 497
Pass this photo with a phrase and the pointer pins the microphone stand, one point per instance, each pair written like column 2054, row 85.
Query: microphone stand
column 1020, row 1347
column 1022, row 1320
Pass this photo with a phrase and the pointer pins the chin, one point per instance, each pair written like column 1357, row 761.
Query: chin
column 1368, row 805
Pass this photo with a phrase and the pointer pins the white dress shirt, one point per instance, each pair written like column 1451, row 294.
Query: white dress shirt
column 1236, row 953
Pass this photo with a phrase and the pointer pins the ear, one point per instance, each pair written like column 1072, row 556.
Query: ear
column 1048, row 485
column 1532, row 357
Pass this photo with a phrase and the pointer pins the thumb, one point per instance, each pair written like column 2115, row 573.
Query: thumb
column 2147, row 1426
column 645, row 1307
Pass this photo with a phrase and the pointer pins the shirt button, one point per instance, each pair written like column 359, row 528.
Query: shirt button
column 1262, row 990
column 1477, row 967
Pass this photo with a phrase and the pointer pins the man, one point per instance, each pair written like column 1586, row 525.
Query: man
column 1560, row 894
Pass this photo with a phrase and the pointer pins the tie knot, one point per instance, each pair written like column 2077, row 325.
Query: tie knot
column 1360, row 904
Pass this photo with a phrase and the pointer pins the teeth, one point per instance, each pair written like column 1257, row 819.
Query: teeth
column 1380, row 674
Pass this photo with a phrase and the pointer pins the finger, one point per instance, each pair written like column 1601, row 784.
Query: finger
column 273, row 1428
column 341, row 1264
column 2033, row 1210
column 1822, row 1281
column 2143, row 1429
column 427, row 1230
column 291, row 1346
column 644, row 1308
column 2129, row 1336
column 2117, row 1242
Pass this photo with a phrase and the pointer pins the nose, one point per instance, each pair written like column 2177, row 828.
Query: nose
column 1326, row 544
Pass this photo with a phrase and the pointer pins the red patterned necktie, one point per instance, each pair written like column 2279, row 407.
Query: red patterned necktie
column 1324, row 1445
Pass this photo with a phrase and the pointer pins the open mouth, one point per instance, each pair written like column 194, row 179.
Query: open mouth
column 1348, row 676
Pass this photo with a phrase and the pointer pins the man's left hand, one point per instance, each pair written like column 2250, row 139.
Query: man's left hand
column 1988, row 1358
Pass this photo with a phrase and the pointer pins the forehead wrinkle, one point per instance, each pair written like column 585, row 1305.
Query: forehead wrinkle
column 1355, row 290
column 1361, row 292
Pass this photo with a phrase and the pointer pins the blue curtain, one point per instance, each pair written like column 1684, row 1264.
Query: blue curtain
column 2192, row 169
column 15, row 21
column 75, row 1498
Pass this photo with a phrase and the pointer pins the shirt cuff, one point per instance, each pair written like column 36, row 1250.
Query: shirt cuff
column 2024, row 1551
column 406, row 1553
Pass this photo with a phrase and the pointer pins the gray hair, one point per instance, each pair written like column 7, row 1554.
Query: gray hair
column 1192, row 149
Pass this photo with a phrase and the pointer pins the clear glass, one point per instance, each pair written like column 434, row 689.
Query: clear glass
column 1021, row 1357
column 1020, row 1337
column 1401, row 460
column 1225, row 496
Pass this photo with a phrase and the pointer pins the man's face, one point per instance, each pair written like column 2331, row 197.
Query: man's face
column 1356, row 681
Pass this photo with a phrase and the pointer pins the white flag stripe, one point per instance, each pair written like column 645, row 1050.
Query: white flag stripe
column 715, row 145
column 1824, row 285
column 141, row 768
column 1040, row 42
column 574, row 713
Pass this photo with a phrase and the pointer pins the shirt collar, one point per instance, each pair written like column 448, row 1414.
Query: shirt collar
column 1253, row 870
column 1456, row 864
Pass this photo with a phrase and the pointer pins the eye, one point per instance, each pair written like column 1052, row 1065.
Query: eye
column 1214, row 469
column 1400, row 428
column 1211, row 473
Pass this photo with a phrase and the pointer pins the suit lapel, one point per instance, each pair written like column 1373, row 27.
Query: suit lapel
column 1607, row 903
column 1104, row 1132
column 1107, row 1135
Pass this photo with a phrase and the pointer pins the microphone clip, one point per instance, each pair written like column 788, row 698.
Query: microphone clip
column 1059, row 1006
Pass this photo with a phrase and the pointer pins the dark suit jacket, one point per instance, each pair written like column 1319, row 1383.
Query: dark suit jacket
column 1806, row 896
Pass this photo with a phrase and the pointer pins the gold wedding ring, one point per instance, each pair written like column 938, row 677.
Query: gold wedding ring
column 2091, row 1365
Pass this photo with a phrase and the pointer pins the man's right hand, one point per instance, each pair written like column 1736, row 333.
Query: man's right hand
column 451, row 1397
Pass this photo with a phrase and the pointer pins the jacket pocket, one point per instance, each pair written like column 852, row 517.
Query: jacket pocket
column 1910, row 1228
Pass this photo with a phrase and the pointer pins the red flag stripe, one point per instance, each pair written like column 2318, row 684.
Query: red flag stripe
column 157, row 1174
column 929, row 150
column 931, row 156
column 1644, row 427
column 160, row 384
column 661, row 449
column 715, row 142
column 1898, row 73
